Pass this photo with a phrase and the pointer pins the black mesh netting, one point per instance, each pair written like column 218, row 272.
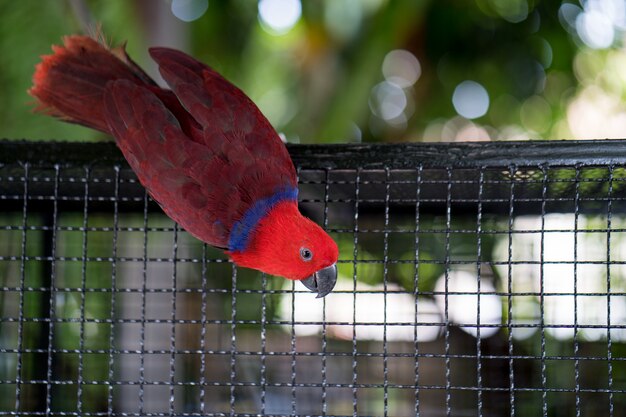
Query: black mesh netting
column 479, row 280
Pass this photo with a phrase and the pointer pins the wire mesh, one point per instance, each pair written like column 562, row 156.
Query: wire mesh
column 466, row 287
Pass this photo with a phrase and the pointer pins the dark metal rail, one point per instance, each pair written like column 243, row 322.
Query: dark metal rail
column 368, row 156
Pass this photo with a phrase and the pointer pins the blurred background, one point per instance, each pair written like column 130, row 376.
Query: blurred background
column 359, row 70
column 552, row 279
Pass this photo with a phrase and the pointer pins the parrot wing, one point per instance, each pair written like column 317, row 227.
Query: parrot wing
column 162, row 156
column 211, row 173
column 231, row 123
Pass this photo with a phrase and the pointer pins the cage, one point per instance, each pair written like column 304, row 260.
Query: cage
column 482, row 279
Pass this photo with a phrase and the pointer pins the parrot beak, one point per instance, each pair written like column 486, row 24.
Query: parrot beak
column 323, row 281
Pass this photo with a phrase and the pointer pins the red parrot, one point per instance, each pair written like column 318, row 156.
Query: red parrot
column 202, row 149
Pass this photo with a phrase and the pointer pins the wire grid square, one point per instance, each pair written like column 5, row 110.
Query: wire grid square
column 484, row 292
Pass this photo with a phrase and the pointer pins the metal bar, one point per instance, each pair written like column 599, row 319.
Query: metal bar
column 203, row 331
column 144, row 284
column 355, row 264
column 385, row 305
column 263, row 341
column 509, row 296
column 576, row 330
column 446, row 314
column 51, row 237
column 365, row 156
column 172, row 358
column 479, row 225
column 609, row 339
column 542, row 296
column 324, row 328
column 83, row 285
column 111, row 370
column 20, row 329
column 416, row 281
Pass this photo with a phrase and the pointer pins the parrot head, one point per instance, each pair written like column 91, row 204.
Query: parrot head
column 287, row 244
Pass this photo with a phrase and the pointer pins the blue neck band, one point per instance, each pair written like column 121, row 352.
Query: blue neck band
column 242, row 230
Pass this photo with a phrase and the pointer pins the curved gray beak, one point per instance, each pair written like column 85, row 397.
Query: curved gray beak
column 323, row 281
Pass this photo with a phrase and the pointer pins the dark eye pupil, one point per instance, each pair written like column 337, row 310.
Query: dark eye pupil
column 306, row 254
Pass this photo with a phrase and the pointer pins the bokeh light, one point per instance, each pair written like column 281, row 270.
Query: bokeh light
column 277, row 106
column 598, row 24
column 594, row 114
column 343, row 17
column 536, row 114
column 470, row 99
column 463, row 308
column 514, row 11
column 370, row 307
column 567, row 14
column 387, row 100
column 546, row 54
column 401, row 68
column 279, row 16
column 595, row 29
column 472, row 132
column 189, row 10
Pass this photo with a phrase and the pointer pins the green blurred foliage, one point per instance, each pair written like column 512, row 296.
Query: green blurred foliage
column 316, row 82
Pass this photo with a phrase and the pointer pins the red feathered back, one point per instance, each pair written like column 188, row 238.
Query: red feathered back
column 204, row 151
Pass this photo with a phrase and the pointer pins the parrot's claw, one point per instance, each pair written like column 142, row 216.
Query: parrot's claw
column 323, row 281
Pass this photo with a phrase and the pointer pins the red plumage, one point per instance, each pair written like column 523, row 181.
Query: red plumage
column 202, row 149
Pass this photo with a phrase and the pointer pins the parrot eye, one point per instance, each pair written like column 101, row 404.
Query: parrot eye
column 306, row 254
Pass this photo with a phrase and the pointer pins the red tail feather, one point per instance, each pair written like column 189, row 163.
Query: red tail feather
column 70, row 83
